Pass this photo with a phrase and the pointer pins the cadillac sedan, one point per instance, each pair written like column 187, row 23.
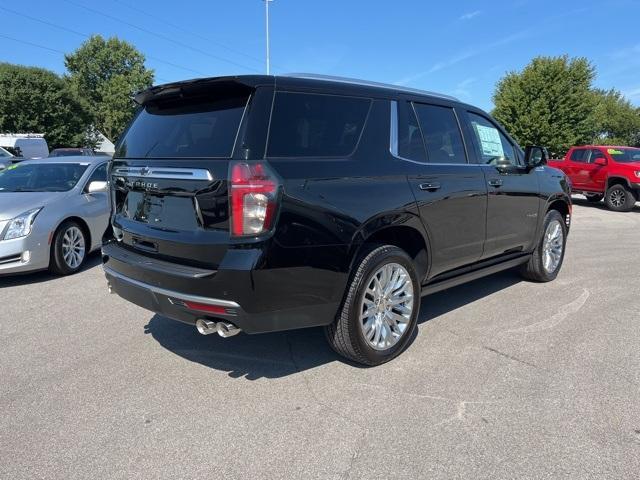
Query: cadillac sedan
column 53, row 212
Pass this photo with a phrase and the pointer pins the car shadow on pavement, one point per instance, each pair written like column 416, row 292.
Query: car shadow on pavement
column 279, row 354
column 93, row 260
column 446, row 301
column 600, row 205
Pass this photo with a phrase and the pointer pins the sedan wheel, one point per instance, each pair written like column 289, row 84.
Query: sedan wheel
column 69, row 249
column 73, row 247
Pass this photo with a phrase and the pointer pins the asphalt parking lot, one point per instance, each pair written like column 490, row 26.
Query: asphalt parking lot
column 505, row 379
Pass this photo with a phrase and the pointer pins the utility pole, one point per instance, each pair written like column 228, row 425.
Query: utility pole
column 266, row 11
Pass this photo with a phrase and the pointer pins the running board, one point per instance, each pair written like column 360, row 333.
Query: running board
column 473, row 275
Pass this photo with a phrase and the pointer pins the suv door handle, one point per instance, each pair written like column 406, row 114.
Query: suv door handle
column 495, row 182
column 431, row 186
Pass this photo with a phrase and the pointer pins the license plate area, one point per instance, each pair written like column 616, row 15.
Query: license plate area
column 161, row 211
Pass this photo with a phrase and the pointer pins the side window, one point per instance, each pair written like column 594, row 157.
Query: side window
column 595, row 154
column 99, row 174
column 494, row 146
column 441, row 133
column 579, row 155
column 314, row 125
column 410, row 142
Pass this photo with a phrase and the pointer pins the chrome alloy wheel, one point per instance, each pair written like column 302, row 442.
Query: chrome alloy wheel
column 386, row 306
column 617, row 197
column 552, row 246
column 73, row 247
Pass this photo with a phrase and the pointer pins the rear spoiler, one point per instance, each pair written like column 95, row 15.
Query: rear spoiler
column 201, row 85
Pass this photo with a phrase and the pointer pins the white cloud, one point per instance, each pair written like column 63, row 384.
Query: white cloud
column 626, row 52
column 462, row 88
column 465, row 55
column 470, row 15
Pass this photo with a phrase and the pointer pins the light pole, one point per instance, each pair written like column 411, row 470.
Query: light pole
column 266, row 11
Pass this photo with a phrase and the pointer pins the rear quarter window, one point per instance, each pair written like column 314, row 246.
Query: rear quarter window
column 316, row 125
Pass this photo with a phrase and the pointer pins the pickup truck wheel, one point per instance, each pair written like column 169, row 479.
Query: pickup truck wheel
column 547, row 258
column 620, row 199
column 594, row 197
column 380, row 309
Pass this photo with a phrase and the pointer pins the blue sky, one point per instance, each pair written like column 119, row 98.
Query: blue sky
column 456, row 47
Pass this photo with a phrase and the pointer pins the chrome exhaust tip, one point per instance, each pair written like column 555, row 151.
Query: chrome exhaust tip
column 226, row 329
column 205, row 327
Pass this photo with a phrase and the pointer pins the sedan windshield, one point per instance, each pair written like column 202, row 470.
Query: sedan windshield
column 624, row 155
column 41, row 177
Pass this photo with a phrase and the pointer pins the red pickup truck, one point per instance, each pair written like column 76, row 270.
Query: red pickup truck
column 608, row 172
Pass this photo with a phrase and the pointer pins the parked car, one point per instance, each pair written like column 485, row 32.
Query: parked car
column 608, row 172
column 70, row 152
column 25, row 145
column 52, row 213
column 6, row 158
column 261, row 203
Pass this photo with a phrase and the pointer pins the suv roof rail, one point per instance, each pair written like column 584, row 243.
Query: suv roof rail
column 22, row 135
column 368, row 83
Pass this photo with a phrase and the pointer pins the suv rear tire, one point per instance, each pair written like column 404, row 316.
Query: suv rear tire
column 546, row 260
column 380, row 310
column 620, row 199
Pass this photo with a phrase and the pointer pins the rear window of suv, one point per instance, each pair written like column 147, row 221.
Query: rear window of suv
column 183, row 128
column 316, row 125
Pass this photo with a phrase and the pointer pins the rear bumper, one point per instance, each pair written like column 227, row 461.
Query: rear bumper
column 255, row 300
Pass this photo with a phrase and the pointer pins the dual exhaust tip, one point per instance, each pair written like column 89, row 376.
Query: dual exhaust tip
column 224, row 329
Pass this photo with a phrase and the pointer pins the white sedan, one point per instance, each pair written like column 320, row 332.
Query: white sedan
column 53, row 212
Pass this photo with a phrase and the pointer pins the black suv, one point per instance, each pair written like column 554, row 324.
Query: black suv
column 263, row 203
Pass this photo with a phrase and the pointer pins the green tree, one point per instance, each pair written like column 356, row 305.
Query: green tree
column 549, row 103
column 35, row 100
column 617, row 120
column 107, row 73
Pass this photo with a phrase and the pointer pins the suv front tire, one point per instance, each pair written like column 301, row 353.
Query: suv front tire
column 546, row 260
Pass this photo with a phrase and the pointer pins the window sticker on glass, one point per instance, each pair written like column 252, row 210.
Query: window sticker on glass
column 489, row 140
column 613, row 151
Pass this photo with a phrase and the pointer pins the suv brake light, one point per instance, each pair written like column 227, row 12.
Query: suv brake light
column 254, row 194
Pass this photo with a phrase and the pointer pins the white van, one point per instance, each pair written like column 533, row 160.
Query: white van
column 25, row 145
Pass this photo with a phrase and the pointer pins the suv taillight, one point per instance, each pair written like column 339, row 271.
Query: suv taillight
column 253, row 195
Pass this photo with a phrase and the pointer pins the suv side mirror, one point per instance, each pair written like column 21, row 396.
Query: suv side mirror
column 535, row 156
column 97, row 187
column 600, row 161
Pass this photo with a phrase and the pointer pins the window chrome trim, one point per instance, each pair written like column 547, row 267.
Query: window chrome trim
column 169, row 173
column 393, row 130
column 464, row 140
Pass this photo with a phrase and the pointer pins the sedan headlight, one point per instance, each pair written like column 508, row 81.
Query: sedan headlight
column 20, row 226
